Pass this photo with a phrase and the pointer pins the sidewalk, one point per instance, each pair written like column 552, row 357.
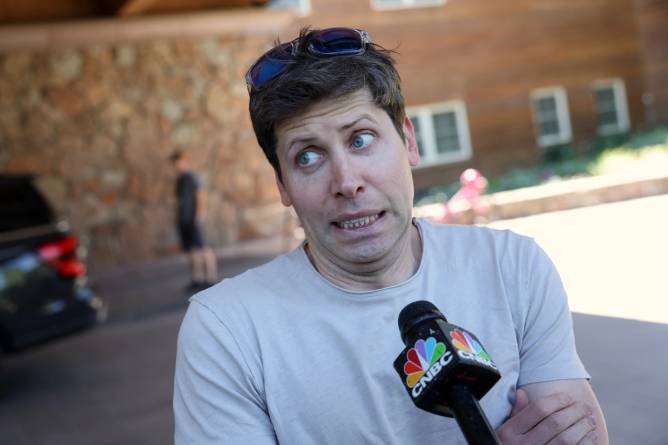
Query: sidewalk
column 562, row 195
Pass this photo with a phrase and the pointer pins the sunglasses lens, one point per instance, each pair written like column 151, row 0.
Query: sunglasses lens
column 337, row 41
column 270, row 65
column 328, row 42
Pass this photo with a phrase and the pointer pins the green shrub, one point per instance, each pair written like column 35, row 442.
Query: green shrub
column 645, row 151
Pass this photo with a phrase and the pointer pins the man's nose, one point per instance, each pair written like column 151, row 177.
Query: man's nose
column 347, row 180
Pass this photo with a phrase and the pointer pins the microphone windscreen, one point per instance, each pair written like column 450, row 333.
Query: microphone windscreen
column 414, row 313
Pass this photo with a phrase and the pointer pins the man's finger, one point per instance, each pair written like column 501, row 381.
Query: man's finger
column 577, row 434
column 538, row 410
column 521, row 401
column 566, row 426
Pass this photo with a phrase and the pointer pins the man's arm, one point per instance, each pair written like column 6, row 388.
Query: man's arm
column 555, row 412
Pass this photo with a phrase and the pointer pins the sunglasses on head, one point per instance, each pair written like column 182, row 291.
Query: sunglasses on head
column 324, row 43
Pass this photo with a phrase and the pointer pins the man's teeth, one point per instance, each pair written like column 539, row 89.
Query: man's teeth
column 358, row 222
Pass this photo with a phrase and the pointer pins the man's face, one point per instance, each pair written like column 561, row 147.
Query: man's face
column 347, row 173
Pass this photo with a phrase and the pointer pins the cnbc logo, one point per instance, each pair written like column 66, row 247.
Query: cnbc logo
column 425, row 360
column 469, row 348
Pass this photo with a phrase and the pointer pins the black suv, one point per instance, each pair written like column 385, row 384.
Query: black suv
column 43, row 291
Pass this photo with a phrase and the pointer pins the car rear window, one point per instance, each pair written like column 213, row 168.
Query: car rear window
column 21, row 204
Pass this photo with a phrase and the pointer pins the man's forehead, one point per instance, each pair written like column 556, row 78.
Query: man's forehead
column 336, row 111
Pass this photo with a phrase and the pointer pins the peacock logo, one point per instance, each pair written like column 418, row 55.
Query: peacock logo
column 424, row 361
column 468, row 347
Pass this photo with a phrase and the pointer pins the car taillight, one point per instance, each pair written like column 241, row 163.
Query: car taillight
column 61, row 254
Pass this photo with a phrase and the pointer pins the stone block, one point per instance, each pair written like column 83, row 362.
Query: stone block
column 54, row 188
column 264, row 221
column 214, row 53
column 113, row 179
column 65, row 66
column 125, row 56
column 32, row 164
column 217, row 103
column 171, row 109
column 65, row 101
column 17, row 67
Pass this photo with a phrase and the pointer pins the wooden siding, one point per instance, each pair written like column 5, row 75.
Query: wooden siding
column 652, row 16
column 491, row 55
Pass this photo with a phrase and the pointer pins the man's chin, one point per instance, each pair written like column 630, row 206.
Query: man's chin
column 363, row 254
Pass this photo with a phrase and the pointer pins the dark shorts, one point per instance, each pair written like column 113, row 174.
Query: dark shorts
column 192, row 236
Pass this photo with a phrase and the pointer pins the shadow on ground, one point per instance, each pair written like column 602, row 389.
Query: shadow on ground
column 628, row 363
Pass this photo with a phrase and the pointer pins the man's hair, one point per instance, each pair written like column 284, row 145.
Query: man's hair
column 311, row 78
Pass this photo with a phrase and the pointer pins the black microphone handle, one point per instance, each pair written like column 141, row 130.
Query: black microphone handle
column 471, row 419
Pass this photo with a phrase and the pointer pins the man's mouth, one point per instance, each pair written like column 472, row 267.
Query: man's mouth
column 358, row 223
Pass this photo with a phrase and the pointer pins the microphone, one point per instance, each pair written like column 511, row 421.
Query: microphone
column 445, row 370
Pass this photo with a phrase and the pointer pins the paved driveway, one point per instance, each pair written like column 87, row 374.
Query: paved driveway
column 613, row 261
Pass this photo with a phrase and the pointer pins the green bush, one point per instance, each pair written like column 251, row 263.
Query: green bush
column 646, row 150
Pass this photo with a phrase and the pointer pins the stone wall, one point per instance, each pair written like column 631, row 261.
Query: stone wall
column 96, row 123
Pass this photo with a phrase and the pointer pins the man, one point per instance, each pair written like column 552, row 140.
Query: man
column 300, row 350
column 191, row 207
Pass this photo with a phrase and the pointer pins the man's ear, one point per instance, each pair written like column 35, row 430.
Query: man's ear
column 411, row 142
column 285, row 196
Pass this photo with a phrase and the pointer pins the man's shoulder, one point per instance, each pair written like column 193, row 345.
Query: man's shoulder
column 470, row 233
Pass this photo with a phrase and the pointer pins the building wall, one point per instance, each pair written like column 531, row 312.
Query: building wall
column 97, row 121
column 491, row 55
column 652, row 19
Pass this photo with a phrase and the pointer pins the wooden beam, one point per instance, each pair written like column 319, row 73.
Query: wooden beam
column 244, row 22
column 135, row 7
column 148, row 7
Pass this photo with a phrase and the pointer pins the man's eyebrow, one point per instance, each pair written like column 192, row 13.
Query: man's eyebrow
column 302, row 140
column 356, row 121
column 310, row 139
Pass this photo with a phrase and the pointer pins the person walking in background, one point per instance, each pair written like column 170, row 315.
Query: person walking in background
column 190, row 214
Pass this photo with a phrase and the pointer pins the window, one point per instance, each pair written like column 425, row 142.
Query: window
column 442, row 132
column 401, row 4
column 301, row 7
column 613, row 115
column 550, row 114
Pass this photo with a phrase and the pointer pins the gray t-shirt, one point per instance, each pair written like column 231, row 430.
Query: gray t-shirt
column 280, row 354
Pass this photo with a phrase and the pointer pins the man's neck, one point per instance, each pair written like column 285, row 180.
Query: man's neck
column 396, row 267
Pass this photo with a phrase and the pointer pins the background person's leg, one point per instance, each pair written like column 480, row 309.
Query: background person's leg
column 197, row 262
column 211, row 267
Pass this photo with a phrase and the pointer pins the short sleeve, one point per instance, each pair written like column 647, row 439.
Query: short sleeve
column 547, row 342
column 216, row 397
column 195, row 181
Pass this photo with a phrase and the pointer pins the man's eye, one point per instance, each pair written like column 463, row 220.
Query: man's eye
column 308, row 158
column 362, row 140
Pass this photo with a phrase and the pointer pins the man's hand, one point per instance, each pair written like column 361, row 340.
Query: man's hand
column 553, row 419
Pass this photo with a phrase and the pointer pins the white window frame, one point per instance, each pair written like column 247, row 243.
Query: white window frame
column 621, row 106
column 304, row 8
column 405, row 4
column 424, row 115
column 565, row 134
column 301, row 7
